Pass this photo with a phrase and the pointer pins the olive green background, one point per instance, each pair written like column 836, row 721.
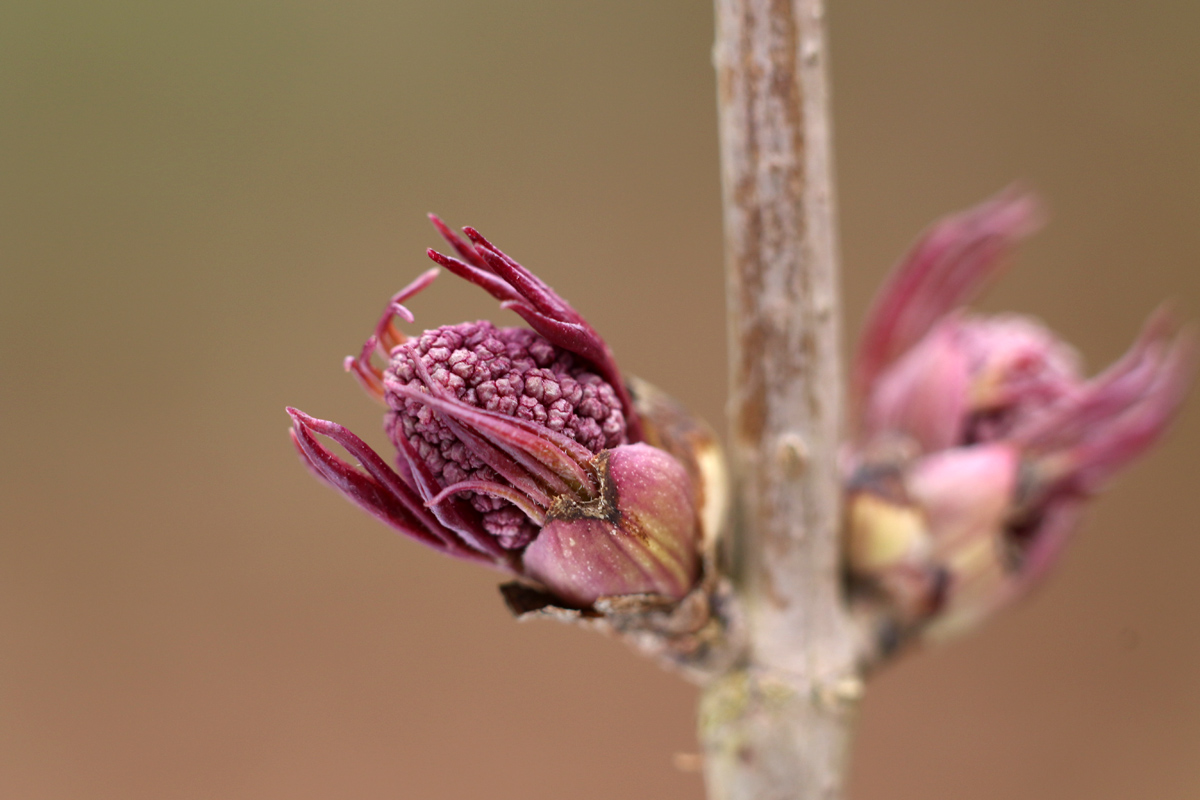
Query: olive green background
column 205, row 206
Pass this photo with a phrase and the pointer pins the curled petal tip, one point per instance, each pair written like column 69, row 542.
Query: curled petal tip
column 377, row 488
column 442, row 228
column 1131, row 430
column 476, row 237
column 1016, row 211
column 440, row 258
column 321, row 426
column 519, row 290
column 421, row 282
column 947, row 267
column 1119, row 414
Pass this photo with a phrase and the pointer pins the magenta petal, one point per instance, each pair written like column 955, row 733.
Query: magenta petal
column 1152, row 377
column 1114, row 442
column 360, row 367
column 492, row 284
column 1101, row 398
column 396, row 304
column 380, row 491
column 452, row 512
column 946, row 268
column 535, row 513
column 529, row 286
column 498, row 441
column 546, row 312
column 464, row 249
column 1117, row 415
column 501, row 462
column 385, row 336
column 513, row 464
column 510, row 433
column 571, row 336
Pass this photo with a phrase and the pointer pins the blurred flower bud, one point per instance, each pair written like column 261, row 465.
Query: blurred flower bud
column 523, row 448
column 978, row 437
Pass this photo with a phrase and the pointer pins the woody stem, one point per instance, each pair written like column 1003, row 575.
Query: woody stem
column 778, row 725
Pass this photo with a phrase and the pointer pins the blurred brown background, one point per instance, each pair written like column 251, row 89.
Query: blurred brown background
column 205, row 206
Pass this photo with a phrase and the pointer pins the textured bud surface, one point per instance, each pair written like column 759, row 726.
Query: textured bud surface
column 510, row 371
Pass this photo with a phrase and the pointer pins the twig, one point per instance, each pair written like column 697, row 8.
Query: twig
column 778, row 726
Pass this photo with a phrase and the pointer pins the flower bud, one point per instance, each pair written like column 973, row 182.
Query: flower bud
column 979, row 439
column 625, row 540
column 524, row 448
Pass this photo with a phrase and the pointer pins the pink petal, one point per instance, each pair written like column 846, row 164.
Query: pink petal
column 947, row 267
column 924, row 395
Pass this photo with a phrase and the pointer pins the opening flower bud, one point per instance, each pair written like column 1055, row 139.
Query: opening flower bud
column 978, row 438
column 521, row 448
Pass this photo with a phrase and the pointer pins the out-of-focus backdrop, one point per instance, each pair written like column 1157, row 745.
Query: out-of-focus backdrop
column 204, row 206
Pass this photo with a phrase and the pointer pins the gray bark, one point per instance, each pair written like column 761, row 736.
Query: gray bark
column 778, row 725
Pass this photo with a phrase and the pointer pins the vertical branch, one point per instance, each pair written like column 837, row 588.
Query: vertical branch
column 778, row 726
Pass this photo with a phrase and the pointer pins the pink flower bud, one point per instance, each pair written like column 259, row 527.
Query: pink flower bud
column 521, row 448
column 624, row 541
column 978, row 438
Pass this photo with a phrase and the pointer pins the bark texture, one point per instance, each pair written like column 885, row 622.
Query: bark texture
column 778, row 725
